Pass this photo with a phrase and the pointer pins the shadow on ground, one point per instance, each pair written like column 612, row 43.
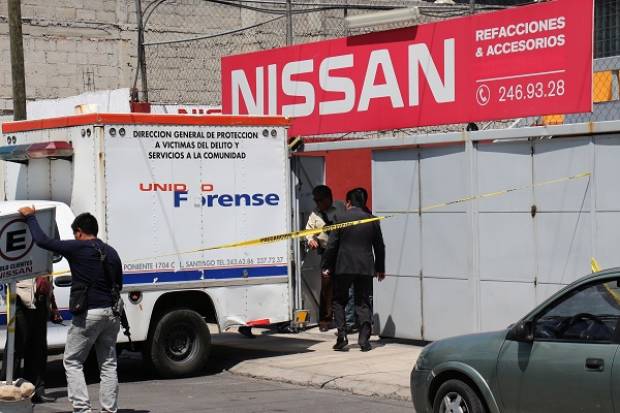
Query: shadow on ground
column 228, row 350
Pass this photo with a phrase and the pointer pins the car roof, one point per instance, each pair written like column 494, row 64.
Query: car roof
column 606, row 273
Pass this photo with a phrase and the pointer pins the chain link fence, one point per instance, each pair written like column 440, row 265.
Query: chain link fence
column 184, row 41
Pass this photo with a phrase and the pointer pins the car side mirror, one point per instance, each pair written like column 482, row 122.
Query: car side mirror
column 523, row 332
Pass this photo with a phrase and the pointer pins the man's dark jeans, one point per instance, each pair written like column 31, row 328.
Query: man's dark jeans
column 30, row 343
column 349, row 310
column 326, row 313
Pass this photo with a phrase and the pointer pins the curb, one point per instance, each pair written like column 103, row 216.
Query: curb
column 347, row 384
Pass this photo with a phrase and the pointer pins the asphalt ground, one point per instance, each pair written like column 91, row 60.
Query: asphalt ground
column 215, row 390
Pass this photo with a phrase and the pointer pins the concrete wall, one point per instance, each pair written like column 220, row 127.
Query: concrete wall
column 71, row 46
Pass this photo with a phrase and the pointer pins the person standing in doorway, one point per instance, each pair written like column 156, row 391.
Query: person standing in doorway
column 353, row 256
column 96, row 271
column 325, row 213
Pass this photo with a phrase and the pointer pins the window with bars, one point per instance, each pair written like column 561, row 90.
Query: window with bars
column 607, row 28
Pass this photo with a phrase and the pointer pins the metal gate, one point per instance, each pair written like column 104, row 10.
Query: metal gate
column 481, row 265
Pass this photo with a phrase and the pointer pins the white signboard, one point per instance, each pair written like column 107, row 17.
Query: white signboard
column 192, row 187
column 20, row 258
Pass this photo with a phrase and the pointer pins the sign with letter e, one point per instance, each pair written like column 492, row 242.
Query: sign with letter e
column 20, row 258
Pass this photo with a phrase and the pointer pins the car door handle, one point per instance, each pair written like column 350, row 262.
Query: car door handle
column 595, row 364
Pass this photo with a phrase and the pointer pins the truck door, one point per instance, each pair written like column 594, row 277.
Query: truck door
column 57, row 333
column 309, row 171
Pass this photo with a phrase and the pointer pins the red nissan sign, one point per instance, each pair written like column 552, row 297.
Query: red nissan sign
column 525, row 61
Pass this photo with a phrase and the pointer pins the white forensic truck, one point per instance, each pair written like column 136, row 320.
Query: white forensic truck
column 165, row 189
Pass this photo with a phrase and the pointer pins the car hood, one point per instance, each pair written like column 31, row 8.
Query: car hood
column 477, row 350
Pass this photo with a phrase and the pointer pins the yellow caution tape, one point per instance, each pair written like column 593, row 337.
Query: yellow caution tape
column 282, row 237
column 491, row 194
column 303, row 233
column 613, row 293
column 264, row 240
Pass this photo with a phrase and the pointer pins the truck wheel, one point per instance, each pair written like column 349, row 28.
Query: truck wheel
column 180, row 344
column 457, row 396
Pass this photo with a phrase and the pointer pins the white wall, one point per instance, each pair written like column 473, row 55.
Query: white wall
column 481, row 265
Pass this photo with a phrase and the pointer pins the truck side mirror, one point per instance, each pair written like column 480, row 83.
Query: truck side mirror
column 523, row 332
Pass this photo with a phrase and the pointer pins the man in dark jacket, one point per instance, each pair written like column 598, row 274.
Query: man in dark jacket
column 353, row 256
column 95, row 325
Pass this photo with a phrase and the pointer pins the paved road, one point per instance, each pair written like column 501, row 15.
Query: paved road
column 215, row 391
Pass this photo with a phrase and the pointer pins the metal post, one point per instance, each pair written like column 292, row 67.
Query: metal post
column 472, row 6
column 296, row 227
column 10, row 342
column 141, row 52
column 289, row 23
column 17, row 59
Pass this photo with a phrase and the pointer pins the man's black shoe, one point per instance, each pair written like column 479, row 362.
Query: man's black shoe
column 341, row 343
column 42, row 398
column 365, row 346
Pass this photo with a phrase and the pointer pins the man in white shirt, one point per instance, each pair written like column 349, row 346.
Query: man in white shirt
column 325, row 213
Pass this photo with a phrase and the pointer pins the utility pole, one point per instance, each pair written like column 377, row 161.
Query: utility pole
column 142, row 52
column 17, row 59
column 472, row 6
column 289, row 23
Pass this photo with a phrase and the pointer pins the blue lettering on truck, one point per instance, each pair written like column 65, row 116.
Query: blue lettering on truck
column 230, row 200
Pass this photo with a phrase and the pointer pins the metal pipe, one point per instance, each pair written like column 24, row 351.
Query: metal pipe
column 10, row 328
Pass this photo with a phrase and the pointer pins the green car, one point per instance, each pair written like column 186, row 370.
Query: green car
column 561, row 357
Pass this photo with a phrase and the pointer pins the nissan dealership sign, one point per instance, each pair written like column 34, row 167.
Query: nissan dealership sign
column 530, row 60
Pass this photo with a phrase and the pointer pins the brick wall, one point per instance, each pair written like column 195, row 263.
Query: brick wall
column 71, row 46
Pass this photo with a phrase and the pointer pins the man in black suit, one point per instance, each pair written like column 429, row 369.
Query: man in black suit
column 350, row 260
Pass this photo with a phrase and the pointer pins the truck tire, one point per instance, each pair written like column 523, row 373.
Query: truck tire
column 180, row 344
